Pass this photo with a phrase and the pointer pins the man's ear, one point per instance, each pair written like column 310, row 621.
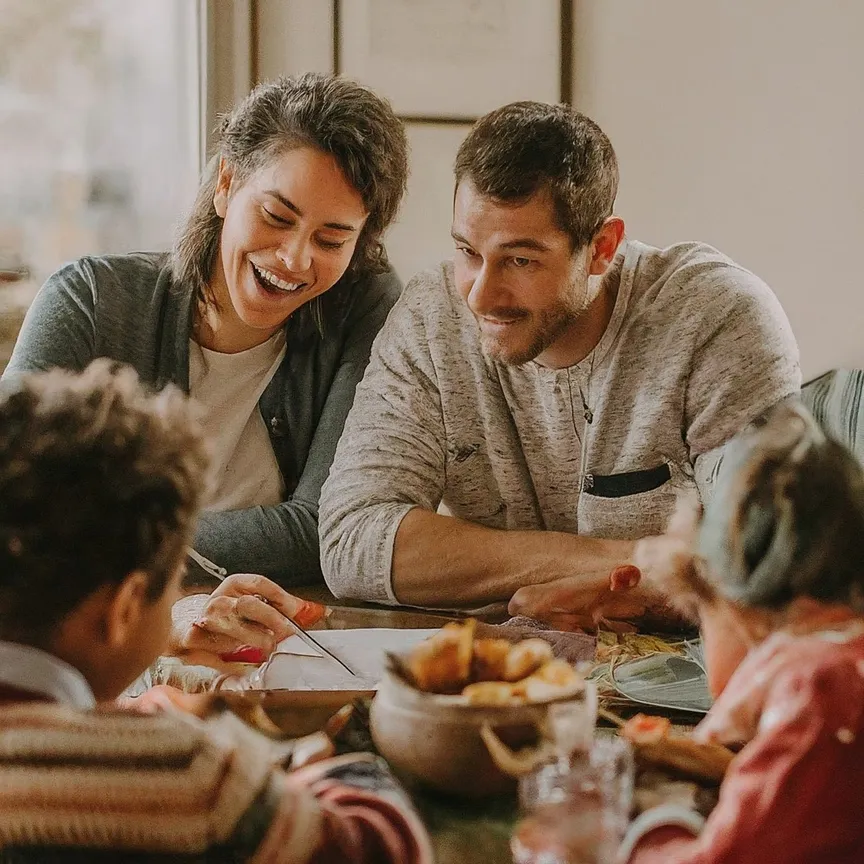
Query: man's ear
column 605, row 244
column 223, row 188
column 126, row 608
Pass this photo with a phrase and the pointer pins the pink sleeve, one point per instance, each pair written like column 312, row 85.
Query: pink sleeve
column 793, row 781
column 661, row 843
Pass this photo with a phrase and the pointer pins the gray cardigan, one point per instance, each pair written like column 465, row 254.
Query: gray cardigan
column 128, row 308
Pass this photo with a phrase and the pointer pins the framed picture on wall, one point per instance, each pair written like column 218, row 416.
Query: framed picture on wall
column 454, row 60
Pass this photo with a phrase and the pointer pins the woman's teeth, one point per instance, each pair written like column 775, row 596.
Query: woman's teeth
column 275, row 281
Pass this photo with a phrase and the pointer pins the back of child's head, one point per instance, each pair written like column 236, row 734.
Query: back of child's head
column 97, row 479
column 786, row 520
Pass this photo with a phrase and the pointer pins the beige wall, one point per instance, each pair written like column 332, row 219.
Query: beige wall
column 739, row 123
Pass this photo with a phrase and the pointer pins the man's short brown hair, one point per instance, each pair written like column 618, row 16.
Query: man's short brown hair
column 529, row 147
column 97, row 479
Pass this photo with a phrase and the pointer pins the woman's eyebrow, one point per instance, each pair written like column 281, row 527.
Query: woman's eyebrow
column 338, row 226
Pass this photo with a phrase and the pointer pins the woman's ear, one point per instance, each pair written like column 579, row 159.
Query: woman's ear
column 126, row 608
column 223, row 188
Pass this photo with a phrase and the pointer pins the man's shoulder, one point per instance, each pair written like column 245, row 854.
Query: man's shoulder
column 693, row 279
column 433, row 288
column 432, row 303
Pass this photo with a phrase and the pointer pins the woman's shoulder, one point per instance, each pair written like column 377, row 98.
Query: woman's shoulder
column 107, row 281
column 111, row 272
column 373, row 293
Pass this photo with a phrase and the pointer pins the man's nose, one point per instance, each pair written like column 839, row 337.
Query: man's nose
column 484, row 294
column 296, row 254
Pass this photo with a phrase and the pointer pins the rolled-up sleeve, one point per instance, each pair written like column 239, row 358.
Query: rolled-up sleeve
column 390, row 459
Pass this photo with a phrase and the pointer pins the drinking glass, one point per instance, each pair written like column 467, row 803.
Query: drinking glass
column 578, row 808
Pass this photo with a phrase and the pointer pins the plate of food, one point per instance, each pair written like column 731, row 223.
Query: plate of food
column 670, row 681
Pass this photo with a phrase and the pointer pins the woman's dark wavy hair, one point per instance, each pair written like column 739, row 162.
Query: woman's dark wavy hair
column 332, row 114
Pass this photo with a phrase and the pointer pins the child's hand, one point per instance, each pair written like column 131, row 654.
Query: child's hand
column 162, row 697
column 661, row 558
column 625, row 578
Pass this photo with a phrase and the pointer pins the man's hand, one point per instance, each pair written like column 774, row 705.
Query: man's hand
column 628, row 592
column 245, row 609
column 584, row 602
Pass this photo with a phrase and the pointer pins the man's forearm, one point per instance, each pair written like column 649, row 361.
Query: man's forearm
column 443, row 561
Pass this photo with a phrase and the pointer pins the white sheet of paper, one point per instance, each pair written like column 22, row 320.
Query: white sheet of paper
column 297, row 667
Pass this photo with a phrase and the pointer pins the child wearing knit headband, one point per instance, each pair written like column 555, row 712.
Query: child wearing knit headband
column 775, row 574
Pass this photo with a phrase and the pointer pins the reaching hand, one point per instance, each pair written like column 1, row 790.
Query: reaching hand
column 246, row 609
column 165, row 698
column 665, row 558
column 583, row 602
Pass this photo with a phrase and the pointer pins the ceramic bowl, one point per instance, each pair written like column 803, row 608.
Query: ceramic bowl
column 295, row 712
column 436, row 739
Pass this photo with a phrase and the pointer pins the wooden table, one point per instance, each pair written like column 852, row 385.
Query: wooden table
column 462, row 832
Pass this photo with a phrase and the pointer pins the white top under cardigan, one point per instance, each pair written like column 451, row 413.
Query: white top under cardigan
column 244, row 469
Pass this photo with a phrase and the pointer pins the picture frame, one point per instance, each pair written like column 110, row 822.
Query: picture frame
column 451, row 61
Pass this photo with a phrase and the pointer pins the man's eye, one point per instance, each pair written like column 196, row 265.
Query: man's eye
column 466, row 251
column 521, row 262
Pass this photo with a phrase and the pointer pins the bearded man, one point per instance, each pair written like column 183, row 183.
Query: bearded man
column 536, row 405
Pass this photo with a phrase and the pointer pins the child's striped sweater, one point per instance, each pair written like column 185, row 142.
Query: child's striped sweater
column 114, row 785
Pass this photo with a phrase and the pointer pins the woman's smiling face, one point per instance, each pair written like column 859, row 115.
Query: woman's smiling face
column 288, row 234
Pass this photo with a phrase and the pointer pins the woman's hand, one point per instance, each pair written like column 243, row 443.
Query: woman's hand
column 246, row 609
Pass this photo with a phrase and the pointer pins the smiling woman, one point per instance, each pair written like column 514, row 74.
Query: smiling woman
column 264, row 311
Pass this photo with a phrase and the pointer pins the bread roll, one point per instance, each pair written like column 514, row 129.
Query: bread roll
column 526, row 657
column 553, row 680
column 491, row 693
column 490, row 659
column 442, row 663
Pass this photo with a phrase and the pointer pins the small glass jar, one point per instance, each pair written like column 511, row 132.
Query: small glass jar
column 576, row 808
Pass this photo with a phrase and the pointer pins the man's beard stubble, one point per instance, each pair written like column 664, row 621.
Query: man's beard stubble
column 547, row 327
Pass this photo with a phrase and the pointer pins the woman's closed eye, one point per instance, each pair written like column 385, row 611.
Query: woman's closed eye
column 282, row 222
column 330, row 245
column 271, row 217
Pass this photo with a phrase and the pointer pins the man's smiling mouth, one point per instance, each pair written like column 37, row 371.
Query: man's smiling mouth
column 271, row 280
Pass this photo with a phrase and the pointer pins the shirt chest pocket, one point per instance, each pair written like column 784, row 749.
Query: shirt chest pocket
column 631, row 504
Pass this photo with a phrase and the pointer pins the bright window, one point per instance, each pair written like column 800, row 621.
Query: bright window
column 99, row 132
